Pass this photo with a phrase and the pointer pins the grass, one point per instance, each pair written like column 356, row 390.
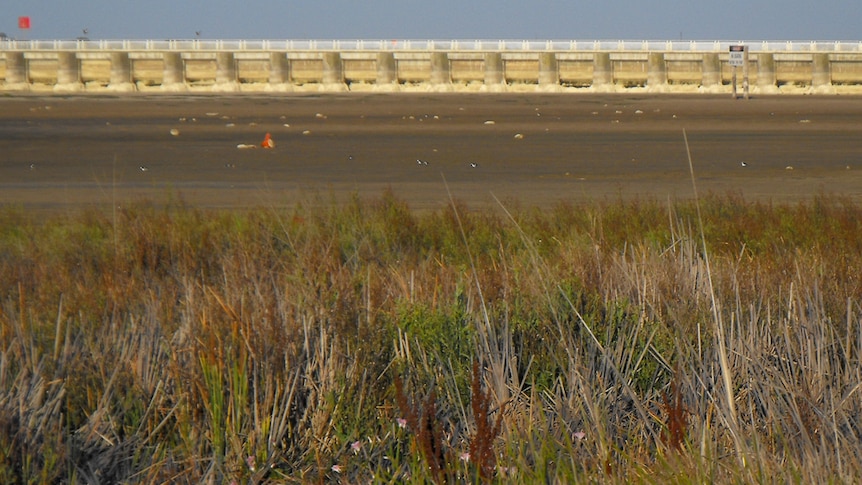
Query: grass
column 366, row 342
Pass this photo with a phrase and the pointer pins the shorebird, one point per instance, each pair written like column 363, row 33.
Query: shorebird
column 421, row 162
column 143, row 168
column 743, row 164
column 473, row 164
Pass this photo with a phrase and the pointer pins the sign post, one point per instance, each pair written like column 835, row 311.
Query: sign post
column 739, row 57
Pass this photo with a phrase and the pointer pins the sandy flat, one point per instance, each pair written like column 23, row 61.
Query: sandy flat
column 530, row 149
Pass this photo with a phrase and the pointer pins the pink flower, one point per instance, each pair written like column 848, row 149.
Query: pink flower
column 402, row 423
column 336, row 468
column 465, row 457
column 355, row 446
column 250, row 462
column 579, row 435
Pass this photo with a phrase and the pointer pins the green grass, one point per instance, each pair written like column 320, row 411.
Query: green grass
column 170, row 344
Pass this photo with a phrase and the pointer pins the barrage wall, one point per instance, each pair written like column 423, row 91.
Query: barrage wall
column 197, row 67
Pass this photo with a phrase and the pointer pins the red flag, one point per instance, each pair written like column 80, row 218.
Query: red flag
column 23, row 22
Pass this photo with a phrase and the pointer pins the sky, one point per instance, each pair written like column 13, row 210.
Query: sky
column 731, row 20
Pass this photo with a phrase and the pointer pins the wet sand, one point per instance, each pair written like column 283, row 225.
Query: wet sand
column 529, row 149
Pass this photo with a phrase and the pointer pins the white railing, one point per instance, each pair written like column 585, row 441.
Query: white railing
column 426, row 45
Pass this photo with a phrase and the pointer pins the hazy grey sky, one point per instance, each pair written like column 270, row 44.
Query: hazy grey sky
column 437, row 19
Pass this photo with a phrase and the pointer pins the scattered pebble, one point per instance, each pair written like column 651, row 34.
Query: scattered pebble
column 320, row 116
column 244, row 146
column 175, row 132
column 805, row 121
column 212, row 113
column 638, row 112
column 229, row 125
column 306, row 132
column 789, row 167
column 490, row 122
column 519, row 136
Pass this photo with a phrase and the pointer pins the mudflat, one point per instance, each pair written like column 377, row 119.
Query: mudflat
column 527, row 149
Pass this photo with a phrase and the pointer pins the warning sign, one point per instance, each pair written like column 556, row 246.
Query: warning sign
column 737, row 55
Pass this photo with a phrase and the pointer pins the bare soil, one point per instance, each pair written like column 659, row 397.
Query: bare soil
column 529, row 149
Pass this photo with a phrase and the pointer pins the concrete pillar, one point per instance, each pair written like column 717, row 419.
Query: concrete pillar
column 387, row 72
column 226, row 80
column 495, row 80
column 173, row 78
column 603, row 73
column 16, row 71
column 821, row 74
column 711, row 74
column 279, row 73
column 68, row 73
column 656, row 72
column 441, row 78
column 121, row 72
column 549, row 75
column 333, row 72
column 278, row 70
column 766, row 73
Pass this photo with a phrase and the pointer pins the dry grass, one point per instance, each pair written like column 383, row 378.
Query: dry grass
column 175, row 345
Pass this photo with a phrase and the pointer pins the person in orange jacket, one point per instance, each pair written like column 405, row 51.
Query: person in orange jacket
column 268, row 142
